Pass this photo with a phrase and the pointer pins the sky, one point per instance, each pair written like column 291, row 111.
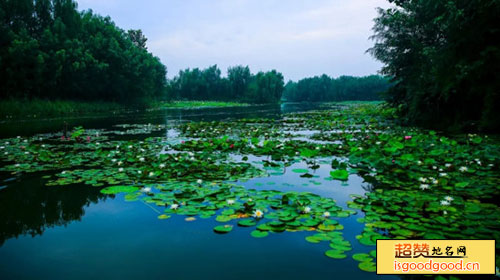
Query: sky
column 298, row 38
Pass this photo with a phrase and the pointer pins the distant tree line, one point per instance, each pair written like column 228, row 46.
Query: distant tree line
column 444, row 59
column 48, row 49
column 239, row 85
column 325, row 89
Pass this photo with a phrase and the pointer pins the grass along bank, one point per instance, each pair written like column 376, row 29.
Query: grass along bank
column 199, row 104
column 35, row 108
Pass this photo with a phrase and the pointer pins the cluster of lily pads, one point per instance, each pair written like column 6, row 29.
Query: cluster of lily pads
column 423, row 184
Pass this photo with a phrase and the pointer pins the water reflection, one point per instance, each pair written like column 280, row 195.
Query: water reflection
column 29, row 208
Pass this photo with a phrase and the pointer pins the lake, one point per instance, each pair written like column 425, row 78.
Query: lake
column 75, row 231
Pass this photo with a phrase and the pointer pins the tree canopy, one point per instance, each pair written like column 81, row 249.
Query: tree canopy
column 324, row 89
column 239, row 85
column 48, row 49
column 444, row 59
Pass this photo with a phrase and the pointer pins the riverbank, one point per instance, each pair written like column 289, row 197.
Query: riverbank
column 198, row 104
column 36, row 108
column 39, row 108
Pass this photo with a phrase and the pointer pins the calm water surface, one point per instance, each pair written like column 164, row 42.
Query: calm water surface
column 76, row 232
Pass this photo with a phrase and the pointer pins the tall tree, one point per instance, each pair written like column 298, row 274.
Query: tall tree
column 444, row 59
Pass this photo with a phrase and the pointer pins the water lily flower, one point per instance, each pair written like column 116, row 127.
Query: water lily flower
column 199, row 181
column 307, row 209
column 130, row 146
column 445, row 212
column 146, row 189
column 230, row 201
column 463, row 169
column 445, row 203
column 139, row 171
column 448, row 198
column 120, row 169
column 6, row 153
column 162, row 165
column 408, row 137
column 423, row 180
column 151, row 174
column 250, row 200
column 120, row 162
column 62, row 137
column 174, row 206
column 448, row 165
column 326, row 214
column 419, row 162
column 142, row 159
column 258, row 214
column 424, row 186
column 113, row 160
column 443, row 174
column 17, row 165
column 232, row 146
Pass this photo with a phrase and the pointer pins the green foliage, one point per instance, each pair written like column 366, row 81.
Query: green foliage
column 45, row 108
column 240, row 85
column 324, row 88
column 443, row 57
column 50, row 50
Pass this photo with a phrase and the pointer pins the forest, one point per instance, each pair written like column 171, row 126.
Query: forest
column 327, row 89
column 441, row 64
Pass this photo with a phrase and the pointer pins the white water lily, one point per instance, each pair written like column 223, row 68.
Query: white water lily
column 250, row 200
column 118, row 146
column 448, row 198
column 139, row 171
column 420, row 162
column 424, row 186
column 199, row 181
column 26, row 153
column 2, row 147
column 113, row 160
column 130, row 147
column 120, row 169
column 230, row 201
column 258, row 214
column 162, row 165
column 445, row 212
column 463, row 169
column 6, row 153
column 151, row 174
column 120, row 162
column 142, row 159
column 97, row 143
column 445, row 203
column 146, row 189
column 423, row 180
column 443, row 174
column 326, row 214
column 307, row 209
column 448, row 165
column 174, row 206
column 17, row 165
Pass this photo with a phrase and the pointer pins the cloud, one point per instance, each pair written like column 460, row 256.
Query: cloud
column 298, row 38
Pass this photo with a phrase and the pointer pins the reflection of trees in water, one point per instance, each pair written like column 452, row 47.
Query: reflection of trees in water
column 30, row 207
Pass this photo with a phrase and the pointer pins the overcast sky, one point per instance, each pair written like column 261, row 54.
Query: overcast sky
column 299, row 38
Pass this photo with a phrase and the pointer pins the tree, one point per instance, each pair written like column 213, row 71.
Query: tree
column 443, row 57
column 137, row 38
